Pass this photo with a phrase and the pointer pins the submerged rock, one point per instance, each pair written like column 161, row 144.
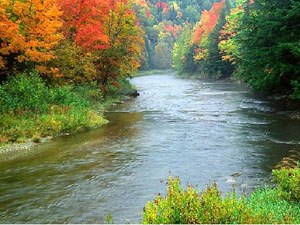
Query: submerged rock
column 236, row 174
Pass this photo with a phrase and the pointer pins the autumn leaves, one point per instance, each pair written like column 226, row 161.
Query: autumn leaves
column 28, row 32
column 208, row 22
column 73, row 40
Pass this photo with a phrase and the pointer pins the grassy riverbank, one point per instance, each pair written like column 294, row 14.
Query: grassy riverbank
column 279, row 204
column 30, row 110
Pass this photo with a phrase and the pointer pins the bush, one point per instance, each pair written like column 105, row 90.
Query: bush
column 90, row 92
column 296, row 90
column 24, row 92
column 288, row 183
column 30, row 109
column 188, row 207
column 66, row 96
column 178, row 207
column 28, row 92
column 123, row 87
column 267, row 205
column 57, row 120
column 209, row 207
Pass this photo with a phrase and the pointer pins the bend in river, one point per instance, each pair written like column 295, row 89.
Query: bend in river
column 200, row 131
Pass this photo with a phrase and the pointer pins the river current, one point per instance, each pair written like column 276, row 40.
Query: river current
column 200, row 131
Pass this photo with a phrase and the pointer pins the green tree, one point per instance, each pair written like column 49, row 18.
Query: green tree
column 183, row 53
column 270, row 45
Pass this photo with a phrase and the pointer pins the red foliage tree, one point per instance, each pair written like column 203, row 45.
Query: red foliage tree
column 83, row 21
column 208, row 22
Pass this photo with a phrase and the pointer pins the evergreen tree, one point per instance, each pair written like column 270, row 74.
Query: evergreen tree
column 270, row 46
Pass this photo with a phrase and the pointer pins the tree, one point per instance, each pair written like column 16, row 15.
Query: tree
column 106, row 35
column 270, row 48
column 74, row 63
column 183, row 53
column 214, row 64
column 83, row 21
column 230, row 46
column 126, row 42
column 207, row 24
column 28, row 34
column 172, row 14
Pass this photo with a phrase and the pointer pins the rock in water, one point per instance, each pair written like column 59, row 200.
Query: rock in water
column 237, row 174
column 134, row 94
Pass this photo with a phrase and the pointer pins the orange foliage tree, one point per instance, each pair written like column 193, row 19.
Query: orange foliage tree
column 108, row 35
column 28, row 33
column 86, row 40
column 202, row 30
column 173, row 29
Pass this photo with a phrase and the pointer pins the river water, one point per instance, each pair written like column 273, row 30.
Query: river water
column 200, row 131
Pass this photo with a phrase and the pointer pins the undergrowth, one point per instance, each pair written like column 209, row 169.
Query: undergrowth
column 30, row 109
column 279, row 204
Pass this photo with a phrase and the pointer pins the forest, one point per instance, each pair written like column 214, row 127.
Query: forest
column 75, row 67
column 256, row 41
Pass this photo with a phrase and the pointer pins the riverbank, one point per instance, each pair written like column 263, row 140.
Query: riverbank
column 207, row 76
column 42, row 112
column 283, row 102
column 276, row 205
column 153, row 72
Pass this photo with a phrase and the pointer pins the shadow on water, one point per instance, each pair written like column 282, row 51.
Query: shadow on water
column 201, row 131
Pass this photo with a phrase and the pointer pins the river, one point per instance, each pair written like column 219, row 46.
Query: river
column 198, row 130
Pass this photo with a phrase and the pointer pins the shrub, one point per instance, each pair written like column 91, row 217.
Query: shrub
column 28, row 92
column 90, row 92
column 267, row 205
column 178, row 207
column 30, row 109
column 57, row 120
column 188, row 207
column 122, row 87
column 215, row 209
column 296, row 90
column 24, row 92
column 288, row 183
column 66, row 96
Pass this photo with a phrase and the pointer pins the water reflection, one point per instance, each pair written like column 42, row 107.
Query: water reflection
column 201, row 131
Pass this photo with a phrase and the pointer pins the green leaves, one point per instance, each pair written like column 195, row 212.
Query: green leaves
column 269, row 41
column 288, row 183
column 263, row 206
